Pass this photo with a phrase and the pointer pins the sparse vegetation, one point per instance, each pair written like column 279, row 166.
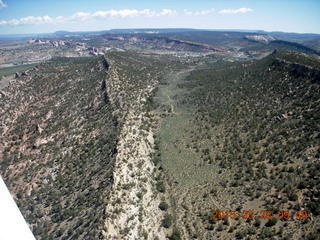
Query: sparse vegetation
column 234, row 132
column 61, row 147
column 235, row 125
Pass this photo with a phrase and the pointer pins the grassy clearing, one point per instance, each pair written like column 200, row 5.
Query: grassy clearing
column 12, row 70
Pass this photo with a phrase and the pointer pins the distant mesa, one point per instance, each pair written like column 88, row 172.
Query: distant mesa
column 61, row 33
column 260, row 38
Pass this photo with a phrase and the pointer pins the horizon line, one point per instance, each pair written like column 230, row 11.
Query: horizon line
column 168, row 28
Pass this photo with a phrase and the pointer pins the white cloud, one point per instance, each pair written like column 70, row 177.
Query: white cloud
column 28, row 20
column 60, row 18
column 84, row 16
column 130, row 13
column 198, row 13
column 167, row 12
column 124, row 13
column 235, row 11
column 80, row 16
column 2, row 4
column 35, row 20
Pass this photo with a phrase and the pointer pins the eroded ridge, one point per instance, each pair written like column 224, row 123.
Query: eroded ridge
column 132, row 211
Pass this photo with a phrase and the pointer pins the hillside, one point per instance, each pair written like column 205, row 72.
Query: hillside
column 159, row 130
column 58, row 137
column 241, row 136
column 77, row 144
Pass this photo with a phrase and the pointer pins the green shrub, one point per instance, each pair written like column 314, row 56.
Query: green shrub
column 257, row 222
column 167, row 221
column 160, row 186
column 163, row 206
column 175, row 234
column 271, row 222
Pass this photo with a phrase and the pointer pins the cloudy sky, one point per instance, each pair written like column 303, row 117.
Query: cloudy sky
column 43, row 16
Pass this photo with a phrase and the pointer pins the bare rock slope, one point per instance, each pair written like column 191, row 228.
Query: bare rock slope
column 132, row 210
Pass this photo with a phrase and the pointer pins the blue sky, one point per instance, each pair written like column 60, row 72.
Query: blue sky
column 43, row 16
